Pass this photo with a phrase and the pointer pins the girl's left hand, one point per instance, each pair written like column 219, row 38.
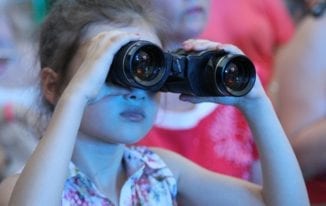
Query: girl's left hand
column 95, row 64
column 199, row 45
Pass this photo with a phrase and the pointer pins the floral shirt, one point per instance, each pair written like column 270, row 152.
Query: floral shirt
column 149, row 182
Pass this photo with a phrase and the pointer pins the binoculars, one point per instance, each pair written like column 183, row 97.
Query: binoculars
column 142, row 64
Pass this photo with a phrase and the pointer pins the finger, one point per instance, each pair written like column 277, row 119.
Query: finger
column 102, row 49
column 200, row 45
column 203, row 44
column 98, row 59
column 231, row 49
column 104, row 42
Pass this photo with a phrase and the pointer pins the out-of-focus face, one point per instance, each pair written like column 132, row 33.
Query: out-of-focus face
column 186, row 18
column 17, row 48
column 6, row 42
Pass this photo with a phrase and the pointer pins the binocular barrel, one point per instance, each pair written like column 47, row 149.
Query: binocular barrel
column 144, row 65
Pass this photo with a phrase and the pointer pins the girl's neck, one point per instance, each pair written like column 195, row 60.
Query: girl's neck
column 102, row 163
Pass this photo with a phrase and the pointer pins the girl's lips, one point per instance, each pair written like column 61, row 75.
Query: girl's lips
column 133, row 115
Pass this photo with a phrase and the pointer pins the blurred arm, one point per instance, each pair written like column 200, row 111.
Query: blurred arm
column 301, row 100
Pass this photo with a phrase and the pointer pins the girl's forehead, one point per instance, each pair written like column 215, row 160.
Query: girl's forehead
column 143, row 29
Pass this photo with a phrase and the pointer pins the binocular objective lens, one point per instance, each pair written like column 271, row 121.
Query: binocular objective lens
column 144, row 67
column 235, row 77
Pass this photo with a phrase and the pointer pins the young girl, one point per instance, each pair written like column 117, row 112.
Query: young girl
column 83, row 159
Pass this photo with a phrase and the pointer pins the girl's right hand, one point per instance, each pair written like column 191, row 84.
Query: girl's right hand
column 255, row 94
column 92, row 62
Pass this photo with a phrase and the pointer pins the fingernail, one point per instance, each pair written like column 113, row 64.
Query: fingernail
column 186, row 46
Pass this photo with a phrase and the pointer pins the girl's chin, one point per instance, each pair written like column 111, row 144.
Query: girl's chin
column 133, row 140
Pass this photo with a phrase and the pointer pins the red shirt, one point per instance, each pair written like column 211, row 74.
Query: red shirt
column 220, row 141
column 317, row 189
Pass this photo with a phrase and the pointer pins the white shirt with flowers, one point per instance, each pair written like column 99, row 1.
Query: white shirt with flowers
column 149, row 182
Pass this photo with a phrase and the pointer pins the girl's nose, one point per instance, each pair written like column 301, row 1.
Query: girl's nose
column 136, row 94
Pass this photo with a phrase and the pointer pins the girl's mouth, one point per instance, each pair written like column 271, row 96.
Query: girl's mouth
column 133, row 115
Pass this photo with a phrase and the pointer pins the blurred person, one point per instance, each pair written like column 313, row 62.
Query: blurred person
column 217, row 136
column 300, row 100
column 18, row 83
column 2, row 160
column 301, row 8
column 18, row 50
column 258, row 27
column 181, row 20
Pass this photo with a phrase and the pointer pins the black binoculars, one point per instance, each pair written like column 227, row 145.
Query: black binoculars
column 144, row 65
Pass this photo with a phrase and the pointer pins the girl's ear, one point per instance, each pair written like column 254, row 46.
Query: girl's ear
column 50, row 84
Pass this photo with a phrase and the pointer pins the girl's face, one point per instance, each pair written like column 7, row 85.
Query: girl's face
column 119, row 115
column 186, row 18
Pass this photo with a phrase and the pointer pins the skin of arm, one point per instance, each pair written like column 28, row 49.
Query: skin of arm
column 301, row 101
column 282, row 179
column 309, row 146
column 6, row 188
column 199, row 186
